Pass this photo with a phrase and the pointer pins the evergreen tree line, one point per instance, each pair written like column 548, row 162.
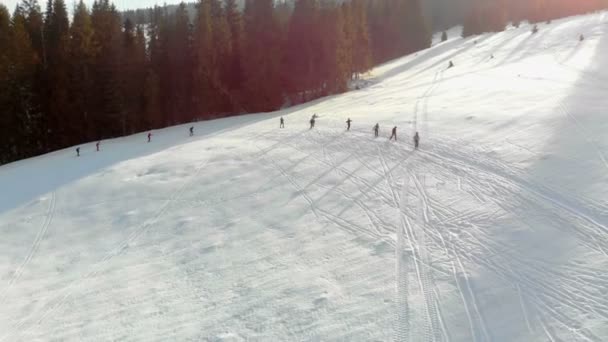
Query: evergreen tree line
column 493, row 16
column 64, row 82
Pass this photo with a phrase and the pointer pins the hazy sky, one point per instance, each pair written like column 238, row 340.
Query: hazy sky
column 120, row 4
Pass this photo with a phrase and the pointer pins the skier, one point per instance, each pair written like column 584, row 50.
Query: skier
column 282, row 124
column 97, row 146
column 149, row 136
column 192, row 131
column 312, row 122
column 376, row 129
column 450, row 65
column 348, row 124
column 581, row 38
column 77, row 151
column 492, row 56
column 416, row 140
column 394, row 134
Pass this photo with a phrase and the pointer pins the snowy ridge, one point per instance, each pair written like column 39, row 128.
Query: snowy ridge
column 496, row 229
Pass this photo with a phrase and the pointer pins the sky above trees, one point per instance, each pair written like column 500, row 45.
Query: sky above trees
column 120, row 4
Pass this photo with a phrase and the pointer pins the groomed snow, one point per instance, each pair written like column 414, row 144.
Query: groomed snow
column 496, row 229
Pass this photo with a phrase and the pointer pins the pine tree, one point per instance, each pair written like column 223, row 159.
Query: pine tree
column 109, row 116
column 141, row 65
column 417, row 31
column 5, row 21
column 234, row 77
column 56, row 42
column 345, row 33
column 34, row 25
column 301, row 49
column 222, row 49
column 153, row 117
column 203, row 60
column 335, row 67
column 361, row 48
column 379, row 30
column 131, row 78
column 152, row 108
column 397, row 27
column 263, row 54
column 473, row 24
column 179, row 64
column 7, row 133
column 82, row 54
column 497, row 16
column 23, row 114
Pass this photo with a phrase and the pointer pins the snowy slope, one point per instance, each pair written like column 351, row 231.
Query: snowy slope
column 495, row 230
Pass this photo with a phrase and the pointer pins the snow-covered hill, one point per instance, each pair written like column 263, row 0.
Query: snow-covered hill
column 496, row 229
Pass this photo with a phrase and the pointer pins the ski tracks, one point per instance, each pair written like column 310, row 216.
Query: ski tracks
column 34, row 247
column 572, row 292
column 589, row 137
column 430, row 321
column 412, row 257
column 52, row 306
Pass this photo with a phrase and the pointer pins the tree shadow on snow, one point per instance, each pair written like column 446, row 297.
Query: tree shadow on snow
column 26, row 180
column 553, row 239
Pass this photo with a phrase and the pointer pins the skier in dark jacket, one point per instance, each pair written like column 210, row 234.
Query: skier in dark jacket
column 450, row 65
column 348, row 124
column 394, row 134
column 97, row 146
column 376, row 130
column 149, row 136
column 282, row 124
column 312, row 122
column 416, row 140
column 192, row 131
column 77, row 151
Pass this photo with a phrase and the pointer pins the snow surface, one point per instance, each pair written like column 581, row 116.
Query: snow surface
column 495, row 230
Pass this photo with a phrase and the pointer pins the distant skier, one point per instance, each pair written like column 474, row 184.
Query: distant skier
column 97, row 146
column 149, row 136
column 312, row 122
column 282, row 124
column 376, row 130
column 492, row 56
column 450, row 65
column 416, row 140
column 348, row 124
column 77, row 151
column 192, row 131
column 535, row 29
column 581, row 38
column 394, row 134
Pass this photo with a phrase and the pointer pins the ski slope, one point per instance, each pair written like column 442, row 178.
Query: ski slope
column 496, row 229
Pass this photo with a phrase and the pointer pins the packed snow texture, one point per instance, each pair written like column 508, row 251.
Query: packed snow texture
column 496, row 229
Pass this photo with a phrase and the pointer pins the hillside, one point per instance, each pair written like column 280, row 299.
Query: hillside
column 495, row 229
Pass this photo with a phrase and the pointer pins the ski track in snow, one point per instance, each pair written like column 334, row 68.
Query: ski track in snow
column 21, row 327
column 324, row 234
column 35, row 246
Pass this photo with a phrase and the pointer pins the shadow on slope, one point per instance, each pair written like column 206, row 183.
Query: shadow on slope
column 25, row 180
column 555, row 238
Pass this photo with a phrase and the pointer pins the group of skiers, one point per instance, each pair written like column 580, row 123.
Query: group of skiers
column 96, row 148
column 376, row 129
